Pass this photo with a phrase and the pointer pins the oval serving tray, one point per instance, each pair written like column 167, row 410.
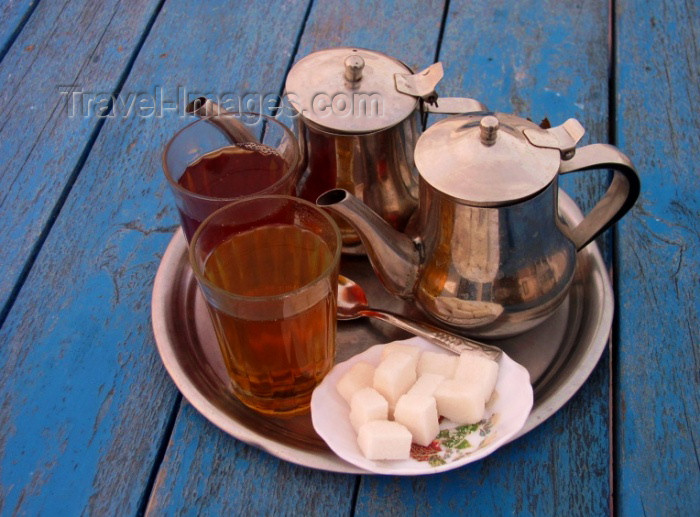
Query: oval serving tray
column 560, row 354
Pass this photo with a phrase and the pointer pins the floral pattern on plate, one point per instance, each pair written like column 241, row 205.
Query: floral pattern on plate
column 455, row 445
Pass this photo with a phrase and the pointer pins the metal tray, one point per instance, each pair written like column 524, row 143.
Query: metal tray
column 560, row 354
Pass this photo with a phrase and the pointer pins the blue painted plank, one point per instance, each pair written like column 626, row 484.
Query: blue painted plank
column 206, row 472
column 537, row 60
column 408, row 31
column 389, row 27
column 82, row 43
column 658, row 383
column 85, row 398
column 13, row 14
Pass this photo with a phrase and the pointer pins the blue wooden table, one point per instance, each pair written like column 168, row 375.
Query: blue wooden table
column 90, row 422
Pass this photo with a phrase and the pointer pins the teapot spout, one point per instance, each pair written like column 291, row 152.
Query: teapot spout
column 394, row 256
column 225, row 120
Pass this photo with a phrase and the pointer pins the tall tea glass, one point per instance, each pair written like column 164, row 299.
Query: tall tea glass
column 218, row 159
column 268, row 269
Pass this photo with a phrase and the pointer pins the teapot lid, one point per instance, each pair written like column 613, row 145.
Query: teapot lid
column 494, row 159
column 349, row 90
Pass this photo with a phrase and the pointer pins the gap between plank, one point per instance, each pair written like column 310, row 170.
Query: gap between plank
column 355, row 494
column 438, row 47
column 441, row 33
column 295, row 49
column 72, row 178
column 160, row 456
column 11, row 40
column 614, row 359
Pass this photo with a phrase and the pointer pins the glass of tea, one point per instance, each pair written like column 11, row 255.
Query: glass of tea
column 220, row 158
column 268, row 269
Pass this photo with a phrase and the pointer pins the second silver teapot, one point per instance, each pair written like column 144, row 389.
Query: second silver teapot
column 489, row 254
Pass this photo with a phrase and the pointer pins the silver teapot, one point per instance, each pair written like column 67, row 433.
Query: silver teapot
column 488, row 253
column 358, row 113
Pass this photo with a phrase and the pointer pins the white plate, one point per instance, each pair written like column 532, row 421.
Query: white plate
column 455, row 446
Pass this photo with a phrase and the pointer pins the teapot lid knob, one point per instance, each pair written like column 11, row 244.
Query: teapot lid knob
column 353, row 68
column 483, row 159
column 348, row 90
column 489, row 130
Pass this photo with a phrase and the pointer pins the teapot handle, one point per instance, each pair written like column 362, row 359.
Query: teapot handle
column 450, row 106
column 618, row 199
column 455, row 106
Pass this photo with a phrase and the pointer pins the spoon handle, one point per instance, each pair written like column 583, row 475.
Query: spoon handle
column 439, row 337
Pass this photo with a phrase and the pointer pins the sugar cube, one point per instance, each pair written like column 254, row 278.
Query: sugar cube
column 396, row 346
column 435, row 362
column 477, row 369
column 461, row 403
column 361, row 375
column 426, row 384
column 394, row 376
column 366, row 405
column 384, row 440
column 420, row 416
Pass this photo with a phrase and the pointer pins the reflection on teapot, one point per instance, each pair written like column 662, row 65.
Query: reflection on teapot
column 378, row 168
column 489, row 253
column 359, row 115
column 513, row 256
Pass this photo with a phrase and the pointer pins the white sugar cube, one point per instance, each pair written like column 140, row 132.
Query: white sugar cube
column 461, row 403
column 426, row 384
column 420, row 416
column 384, row 440
column 435, row 362
column 395, row 346
column 394, row 376
column 367, row 405
column 477, row 369
column 361, row 375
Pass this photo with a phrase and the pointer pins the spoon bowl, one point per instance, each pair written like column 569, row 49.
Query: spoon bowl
column 352, row 300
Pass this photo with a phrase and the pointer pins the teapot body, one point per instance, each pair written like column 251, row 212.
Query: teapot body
column 377, row 168
column 492, row 271
column 359, row 112
column 486, row 252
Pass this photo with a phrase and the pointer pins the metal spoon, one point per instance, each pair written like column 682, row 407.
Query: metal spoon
column 352, row 304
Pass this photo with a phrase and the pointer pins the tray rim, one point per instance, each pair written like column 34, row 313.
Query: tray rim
column 328, row 461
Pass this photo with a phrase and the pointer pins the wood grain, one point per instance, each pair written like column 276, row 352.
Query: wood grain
column 408, row 31
column 64, row 47
column 207, row 472
column 658, row 382
column 12, row 15
column 538, row 60
column 85, row 398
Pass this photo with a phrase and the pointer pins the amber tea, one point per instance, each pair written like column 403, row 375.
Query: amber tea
column 218, row 159
column 231, row 172
column 277, row 352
